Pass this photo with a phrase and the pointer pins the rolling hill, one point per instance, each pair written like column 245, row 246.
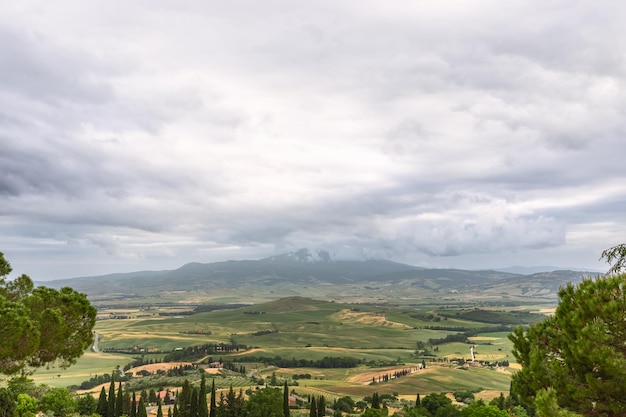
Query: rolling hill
column 300, row 274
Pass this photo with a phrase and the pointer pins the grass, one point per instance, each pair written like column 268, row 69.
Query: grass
column 372, row 334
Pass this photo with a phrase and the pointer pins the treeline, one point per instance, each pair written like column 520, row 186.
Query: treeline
column 215, row 307
column 194, row 353
column 390, row 376
column 462, row 337
column 496, row 316
column 96, row 380
column 326, row 362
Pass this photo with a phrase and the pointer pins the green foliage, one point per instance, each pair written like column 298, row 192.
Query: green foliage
column 111, row 399
column 27, row 406
column 345, row 404
column 579, row 351
column 266, row 402
column 203, row 408
column 40, row 326
column 433, row 402
column 616, row 257
column 547, row 406
column 23, row 385
column 59, row 401
column 285, row 400
column 478, row 409
column 375, row 412
column 86, row 405
column 231, row 405
column 102, row 406
column 141, row 409
column 8, row 407
column 313, row 407
column 213, row 407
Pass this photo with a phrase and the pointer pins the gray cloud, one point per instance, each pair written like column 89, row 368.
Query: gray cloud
column 448, row 134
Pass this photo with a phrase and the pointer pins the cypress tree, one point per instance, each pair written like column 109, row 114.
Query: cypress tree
column 375, row 401
column 184, row 400
column 203, row 409
column 285, row 400
column 111, row 398
column 321, row 406
column 193, row 404
column 119, row 401
column 159, row 410
column 418, row 401
column 133, row 405
column 313, row 409
column 102, row 403
column 141, row 409
column 126, row 402
column 213, row 409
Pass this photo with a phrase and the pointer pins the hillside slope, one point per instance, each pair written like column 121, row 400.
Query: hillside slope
column 288, row 275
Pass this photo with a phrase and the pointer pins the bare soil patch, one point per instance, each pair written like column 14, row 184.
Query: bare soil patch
column 163, row 366
column 368, row 318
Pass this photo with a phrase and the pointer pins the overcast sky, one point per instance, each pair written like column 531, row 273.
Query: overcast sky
column 142, row 135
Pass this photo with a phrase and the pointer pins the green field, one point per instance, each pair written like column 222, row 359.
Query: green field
column 298, row 328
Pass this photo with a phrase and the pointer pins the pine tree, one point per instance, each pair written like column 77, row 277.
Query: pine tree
column 313, row 409
column 102, row 403
column 285, row 400
column 581, row 345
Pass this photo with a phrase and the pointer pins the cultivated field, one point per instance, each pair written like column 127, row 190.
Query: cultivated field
column 384, row 340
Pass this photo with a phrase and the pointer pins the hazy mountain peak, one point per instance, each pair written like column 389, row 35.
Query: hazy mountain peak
column 304, row 255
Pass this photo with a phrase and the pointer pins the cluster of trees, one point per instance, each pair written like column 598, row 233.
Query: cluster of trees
column 389, row 377
column 326, row 362
column 194, row 353
column 41, row 326
column 572, row 362
column 575, row 360
column 139, row 362
column 440, row 405
column 463, row 336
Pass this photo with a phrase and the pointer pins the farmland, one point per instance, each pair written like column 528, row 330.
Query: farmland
column 291, row 339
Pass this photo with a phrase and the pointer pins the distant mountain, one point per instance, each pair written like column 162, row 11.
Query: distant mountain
column 305, row 273
column 528, row 270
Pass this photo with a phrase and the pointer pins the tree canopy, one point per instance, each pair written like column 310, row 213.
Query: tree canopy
column 616, row 257
column 40, row 326
column 579, row 351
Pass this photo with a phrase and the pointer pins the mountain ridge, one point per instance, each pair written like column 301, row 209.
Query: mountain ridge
column 302, row 274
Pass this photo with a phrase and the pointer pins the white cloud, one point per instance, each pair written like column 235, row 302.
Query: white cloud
column 157, row 133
